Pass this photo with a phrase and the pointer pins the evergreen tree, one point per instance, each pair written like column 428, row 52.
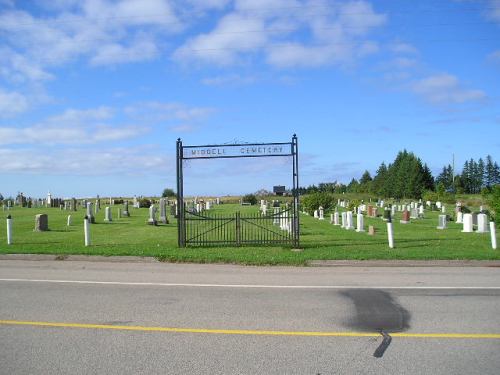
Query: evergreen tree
column 480, row 175
column 428, row 180
column 377, row 185
column 365, row 182
column 496, row 174
column 489, row 175
column 353, row 186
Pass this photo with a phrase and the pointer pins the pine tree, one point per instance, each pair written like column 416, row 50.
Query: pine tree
column 489, row 178
column 496, row 174
column 480, row 175
column 378, row 181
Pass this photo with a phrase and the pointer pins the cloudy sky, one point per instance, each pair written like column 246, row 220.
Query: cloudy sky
column 94, row 93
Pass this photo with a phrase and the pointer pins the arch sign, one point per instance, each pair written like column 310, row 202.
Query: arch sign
column 277, row 225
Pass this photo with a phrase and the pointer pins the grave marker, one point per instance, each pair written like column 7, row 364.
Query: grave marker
column 41, row 223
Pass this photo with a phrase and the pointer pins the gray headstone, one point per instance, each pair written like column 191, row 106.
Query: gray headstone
column 41, row 223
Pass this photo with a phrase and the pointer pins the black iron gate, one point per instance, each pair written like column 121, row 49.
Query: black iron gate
column 212, row 228
column 207, row 228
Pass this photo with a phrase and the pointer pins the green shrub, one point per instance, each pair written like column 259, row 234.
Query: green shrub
column 495, row 203
column 168, row 193
column 313, row 201
column 144, row 203
column 250, row 198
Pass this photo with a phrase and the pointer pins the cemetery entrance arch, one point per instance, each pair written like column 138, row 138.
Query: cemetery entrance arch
column 203, row 228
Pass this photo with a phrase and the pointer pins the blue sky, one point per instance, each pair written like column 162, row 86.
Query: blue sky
column 94, row 93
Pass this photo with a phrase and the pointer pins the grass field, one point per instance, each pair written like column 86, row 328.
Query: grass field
column 319, row 239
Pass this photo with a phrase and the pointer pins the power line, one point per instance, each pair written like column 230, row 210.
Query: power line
column 336, row 14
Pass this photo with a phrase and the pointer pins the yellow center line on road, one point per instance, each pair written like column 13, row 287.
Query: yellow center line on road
column 250, row 332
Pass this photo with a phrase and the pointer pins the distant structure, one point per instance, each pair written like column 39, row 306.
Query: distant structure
column 279, row 190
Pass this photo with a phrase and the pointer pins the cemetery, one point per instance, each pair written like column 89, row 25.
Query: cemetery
column 340, row 232
column 289, row 227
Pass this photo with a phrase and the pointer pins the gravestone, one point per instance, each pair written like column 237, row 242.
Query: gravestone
column 344, row 219
column 316, row 214
column 387, row 215
column 349, row 218
column 468, row 226
column 421, row 211
column 126, row 213
column 482, row 223
column 90, row 215
column 107, row 214
column 336, row 218
column 360, row 225
column 68, row 221
column 152, row 215
column 371, row 230
column 41, row 223
column 414, row 213
column 442, row 222
column 321, row 213
column 460, row 217
column 405, row 217
column 163, row 211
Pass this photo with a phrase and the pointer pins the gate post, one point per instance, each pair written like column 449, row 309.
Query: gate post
column 238, row 229
column 181, row 230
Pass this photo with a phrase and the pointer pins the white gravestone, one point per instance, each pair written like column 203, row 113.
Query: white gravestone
column 360, row 223
column 442, row 222
column 460, row 217
column 344, row 219
column 467, row 221
column 152, row 215
column 350, row 224
column 482, row 223
column 107, row 214
column 336, row 218
column 321, row 213
column 316, row 214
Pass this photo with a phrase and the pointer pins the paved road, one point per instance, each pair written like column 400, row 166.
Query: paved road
column 117, row 318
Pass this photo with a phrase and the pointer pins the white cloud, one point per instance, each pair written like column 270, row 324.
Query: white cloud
column 229, row 80
column 12, row 103
column 100, row 30
column 403, row 48
column 337, row 34
column 446, row 89
column 73, row 127
column 160, row 111
column 494, row 56
column 115, row 53
column 493, row 10
column 85, row 161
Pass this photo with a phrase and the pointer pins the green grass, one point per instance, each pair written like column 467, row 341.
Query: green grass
column 320, row 240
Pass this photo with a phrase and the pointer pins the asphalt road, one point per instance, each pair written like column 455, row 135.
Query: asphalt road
column 118, row 318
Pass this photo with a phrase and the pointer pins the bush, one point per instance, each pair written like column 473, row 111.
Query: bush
column 167, row 193
column 313, row 201
column 250, row 198
column 495, row 203
column 144, row 203
column 118, row 201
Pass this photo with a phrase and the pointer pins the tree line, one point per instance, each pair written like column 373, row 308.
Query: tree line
column 408, row 177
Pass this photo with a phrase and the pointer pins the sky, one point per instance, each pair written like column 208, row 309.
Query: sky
column 95, row 93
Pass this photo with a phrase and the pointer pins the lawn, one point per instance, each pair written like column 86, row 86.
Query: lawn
column 319, row 239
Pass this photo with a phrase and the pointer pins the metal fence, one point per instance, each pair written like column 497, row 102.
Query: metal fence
column 236, row 229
